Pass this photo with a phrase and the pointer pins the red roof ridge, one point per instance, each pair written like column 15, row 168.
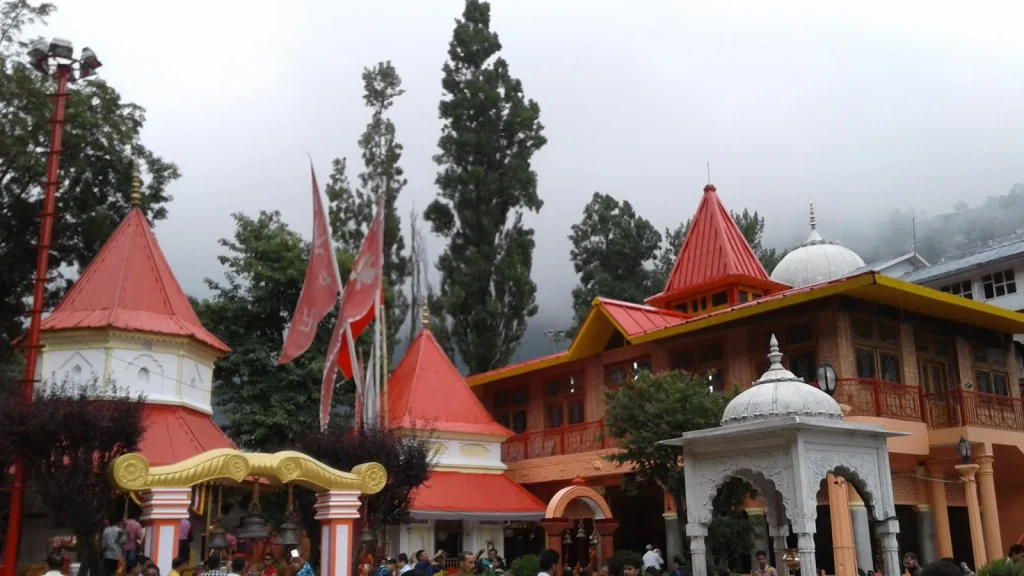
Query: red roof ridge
column 643, row 307
column 129, row 285
column 427, row 391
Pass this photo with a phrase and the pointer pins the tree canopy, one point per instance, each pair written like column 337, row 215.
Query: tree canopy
column 485, row 183
column 614, row 253
column 102, row 136
column 268, row 405
column 658, row 407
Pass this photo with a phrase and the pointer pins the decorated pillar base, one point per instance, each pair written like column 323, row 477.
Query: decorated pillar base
column 808, row 560
column 778, row 535
column 889, row 546
column 698, row 549
column 162, row 512
column 337, row 511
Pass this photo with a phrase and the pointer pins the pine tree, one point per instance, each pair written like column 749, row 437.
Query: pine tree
column 490, row 133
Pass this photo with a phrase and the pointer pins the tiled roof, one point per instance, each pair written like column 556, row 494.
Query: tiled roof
column 635, row 319
column 176, row 433
column 457, row 492
column 130, row 286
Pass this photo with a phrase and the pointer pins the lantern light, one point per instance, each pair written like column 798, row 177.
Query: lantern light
column 964, row 447
column 827, row 378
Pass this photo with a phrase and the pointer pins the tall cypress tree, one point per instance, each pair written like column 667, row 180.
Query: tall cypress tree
column 485, row 183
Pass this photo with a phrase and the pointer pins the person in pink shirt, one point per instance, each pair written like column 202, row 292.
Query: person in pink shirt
column 184, row 538
column 131, row 544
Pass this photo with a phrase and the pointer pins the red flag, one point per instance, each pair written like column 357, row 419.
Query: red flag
column 319, row 289
column 330, row 372
column 364, row 286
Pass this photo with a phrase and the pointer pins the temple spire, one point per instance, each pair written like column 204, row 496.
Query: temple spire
column 136, row 197
column 814, row 221
column 426, row 316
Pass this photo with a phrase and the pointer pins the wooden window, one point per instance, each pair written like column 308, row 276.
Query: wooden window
column 877, row 349
column 999, row 284
column 990, row 368
column 963, row 289
column 798, row 346
column 744, row 296
column 619, row 374
column 681, row 308
column 563, row 402
column 510, row 408
column 719, row 299
column 936, row 361
column 705, row 359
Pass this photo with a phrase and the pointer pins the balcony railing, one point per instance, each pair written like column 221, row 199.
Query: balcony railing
column 960, row 407
column 559, row 441
column 881, row 399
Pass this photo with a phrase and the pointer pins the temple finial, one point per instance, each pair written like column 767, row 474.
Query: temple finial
column 426, row 316
column 774, row 356
column 814, row 221
column 136, row 197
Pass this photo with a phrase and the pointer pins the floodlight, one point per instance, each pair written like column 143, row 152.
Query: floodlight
column 89, row 63
column 61, row 48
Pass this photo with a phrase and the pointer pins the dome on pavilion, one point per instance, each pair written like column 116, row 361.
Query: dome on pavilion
column 779, row 393
column 816, row 260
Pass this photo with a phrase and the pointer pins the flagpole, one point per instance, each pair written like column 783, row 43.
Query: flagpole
column 384, row 353
column 356, row 362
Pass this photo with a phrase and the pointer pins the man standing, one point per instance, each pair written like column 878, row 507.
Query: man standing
column 403, row 563
column 299, row 567
column 467, row 564
column 213, row 566
column 184, row 537
column 763, row 569
column 911, row 564
column 650, row 558
column 134, row 540
column 111, row 549
column 548, row 562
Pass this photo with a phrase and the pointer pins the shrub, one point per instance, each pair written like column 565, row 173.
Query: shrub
column 528, row 565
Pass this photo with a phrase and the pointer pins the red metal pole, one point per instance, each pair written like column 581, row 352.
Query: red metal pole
column 33, row 346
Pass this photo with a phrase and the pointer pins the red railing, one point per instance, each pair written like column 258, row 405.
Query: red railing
column 960, row 407
column 559, row 441
column 870, row 397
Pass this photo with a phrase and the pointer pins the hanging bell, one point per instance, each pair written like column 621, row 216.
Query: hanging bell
column 288, row 533
column 567, row 539
column 581, row 533
column 218, row 540
column 254, row 527
column 366, row 536
column 594, row 538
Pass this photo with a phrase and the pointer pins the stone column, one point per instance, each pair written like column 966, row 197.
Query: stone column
column 162, row 512
column 969, row 472
column 606, row 529
column 925, row 521
column 890, row 546
column 940, row 512
column 842, row 528
column 989, row 507
column 554, row 530
column 755, row 512
column 337, row 511
column 808, row 561
column 778, row 535
column 861, row 527
column 673, row 538
column 698, row 553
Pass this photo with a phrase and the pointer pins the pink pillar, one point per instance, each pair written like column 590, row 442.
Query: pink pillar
column 336, row 510
column 162, row 512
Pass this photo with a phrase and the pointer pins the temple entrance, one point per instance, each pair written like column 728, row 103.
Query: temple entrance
column 578, row 523
column 639, row 513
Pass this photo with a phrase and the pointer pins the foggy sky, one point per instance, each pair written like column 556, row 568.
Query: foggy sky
column 862, row 106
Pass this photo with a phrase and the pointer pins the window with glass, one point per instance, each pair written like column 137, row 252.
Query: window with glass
column 877, row 349
column 964, row 289
column 510, row 408
column 563, row 401
column 936, row 361
column 999, row 284
column 990, row 369
column 620, row 374
column 799, row 348
column 707, row 359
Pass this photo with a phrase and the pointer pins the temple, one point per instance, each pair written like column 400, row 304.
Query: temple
column 931, row 365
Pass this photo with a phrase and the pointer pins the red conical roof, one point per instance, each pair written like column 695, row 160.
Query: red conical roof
column 427, row 392
column 130, row 286
column 714, row 252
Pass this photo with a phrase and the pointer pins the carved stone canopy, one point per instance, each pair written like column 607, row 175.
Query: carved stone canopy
column 131, row 472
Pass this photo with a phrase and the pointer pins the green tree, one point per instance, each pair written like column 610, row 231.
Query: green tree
column 102, row 135
column 614, row 253
column 269, row 406
column 751, row 225
column 490, row 133
column 352, row 210
column 659, row 407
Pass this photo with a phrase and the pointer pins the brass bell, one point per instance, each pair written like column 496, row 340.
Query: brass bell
column 218, row 540
column 288, row 533
column 254, row 527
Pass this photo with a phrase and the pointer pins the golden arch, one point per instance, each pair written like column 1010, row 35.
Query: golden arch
column 562, row 498
column 132, row 473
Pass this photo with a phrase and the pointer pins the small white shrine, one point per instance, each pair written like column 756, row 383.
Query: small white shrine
column 783, row 437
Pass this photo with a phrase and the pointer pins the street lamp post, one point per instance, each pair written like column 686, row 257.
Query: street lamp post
column 54, row 59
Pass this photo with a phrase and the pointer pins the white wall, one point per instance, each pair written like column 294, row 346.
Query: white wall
column 1009, row 301
column 461, row 453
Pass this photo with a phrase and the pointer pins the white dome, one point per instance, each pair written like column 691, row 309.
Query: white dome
column 815, row 261
column 778, row 393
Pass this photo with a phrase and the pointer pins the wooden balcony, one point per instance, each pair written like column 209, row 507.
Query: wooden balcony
column 959, row 407
column 560, row 441
column 880, row 399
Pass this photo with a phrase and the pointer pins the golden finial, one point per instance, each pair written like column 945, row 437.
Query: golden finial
column 426, row 316
column 136, row 197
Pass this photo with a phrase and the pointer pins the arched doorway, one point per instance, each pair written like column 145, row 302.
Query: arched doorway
column 578, row 524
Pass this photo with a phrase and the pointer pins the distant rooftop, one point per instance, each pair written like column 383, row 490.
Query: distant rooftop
column 967, row 263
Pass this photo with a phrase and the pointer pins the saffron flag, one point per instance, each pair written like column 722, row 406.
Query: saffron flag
column 363, row 291
column 319, row 289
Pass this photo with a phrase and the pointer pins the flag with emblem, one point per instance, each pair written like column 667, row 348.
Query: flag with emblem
column 320, row 287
